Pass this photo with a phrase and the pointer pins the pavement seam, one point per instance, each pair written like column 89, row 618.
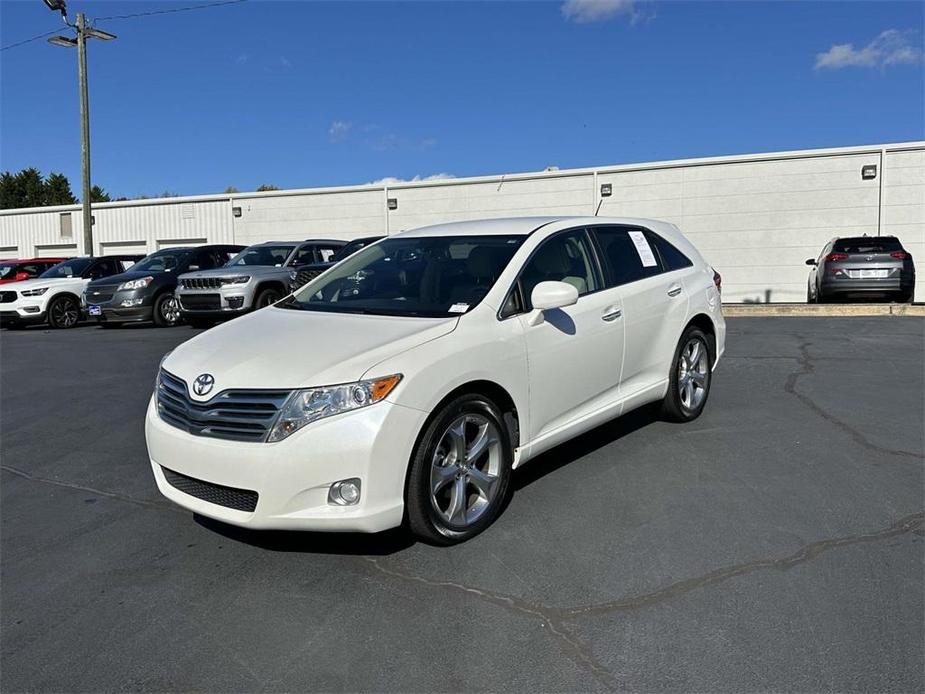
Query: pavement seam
column 807, row 367
column 555, row 617
column 91, row 490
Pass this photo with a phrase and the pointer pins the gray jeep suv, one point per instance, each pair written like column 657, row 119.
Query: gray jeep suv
column 256, row 277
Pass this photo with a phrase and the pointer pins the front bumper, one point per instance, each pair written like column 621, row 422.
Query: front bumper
column 225, row 301
column 135, row 314
column 20, row 317
column 292, row 477
column 112, row 310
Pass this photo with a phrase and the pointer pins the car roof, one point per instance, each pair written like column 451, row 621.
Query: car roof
column 337, row 242
column 518, row 226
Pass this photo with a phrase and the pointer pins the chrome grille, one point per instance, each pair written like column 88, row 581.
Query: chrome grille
column 237, row 415
column 7, row 297
column 201, row 282
column 304, row 276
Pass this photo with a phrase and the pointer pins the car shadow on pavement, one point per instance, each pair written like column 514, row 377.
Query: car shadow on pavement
column 376, row 544
column 398, row 539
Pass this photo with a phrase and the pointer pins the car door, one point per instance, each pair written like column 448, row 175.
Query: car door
column 654, row 300
column 574, row 353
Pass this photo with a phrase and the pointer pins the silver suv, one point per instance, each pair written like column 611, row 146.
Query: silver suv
column 256, row 277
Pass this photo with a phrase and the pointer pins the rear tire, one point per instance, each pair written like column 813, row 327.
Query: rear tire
column 460, row 472
column 63, row 313
column 690, row 378
column 166, row 312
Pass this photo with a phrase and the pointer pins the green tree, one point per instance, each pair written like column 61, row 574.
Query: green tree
column 265, row 187
column 58, row 190
column 32, row 186
column 232, row 189
column 97, row 194
column 10, row 192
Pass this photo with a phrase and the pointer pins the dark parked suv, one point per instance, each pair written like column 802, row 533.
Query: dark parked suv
column 146, row 291
column 861, row 267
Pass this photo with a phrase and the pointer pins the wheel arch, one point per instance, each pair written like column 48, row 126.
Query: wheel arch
column 706, row 324
column 263, row 285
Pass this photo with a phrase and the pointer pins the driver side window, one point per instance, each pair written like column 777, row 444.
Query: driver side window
column 565, row 257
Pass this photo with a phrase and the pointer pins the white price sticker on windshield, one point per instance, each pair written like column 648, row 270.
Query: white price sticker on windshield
column 643, row 249
column 459, row 308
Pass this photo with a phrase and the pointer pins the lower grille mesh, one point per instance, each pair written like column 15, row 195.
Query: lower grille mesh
column 229, row 497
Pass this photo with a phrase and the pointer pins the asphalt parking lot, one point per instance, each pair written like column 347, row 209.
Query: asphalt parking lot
column 774, row 544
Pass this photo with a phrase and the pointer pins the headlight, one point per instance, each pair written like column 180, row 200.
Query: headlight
column 135, row 284
column 35, row 292
column 306, row 406
column 240, row 279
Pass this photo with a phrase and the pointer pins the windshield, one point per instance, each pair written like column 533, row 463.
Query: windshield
column 69, row 268
column 7, row 270
column 352, row 248
column 430, row 276
column 162, row 261
column 261, row 255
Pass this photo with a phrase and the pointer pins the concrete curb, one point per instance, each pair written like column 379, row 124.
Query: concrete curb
column 736, row 310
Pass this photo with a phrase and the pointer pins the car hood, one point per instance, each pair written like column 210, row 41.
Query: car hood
column 128, row 277
column 284, row 348
column 252, row 270
column 48, row 282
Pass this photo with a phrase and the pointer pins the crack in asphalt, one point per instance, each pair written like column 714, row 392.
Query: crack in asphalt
column 91, row 490
column 580, row 653
column 807, row 367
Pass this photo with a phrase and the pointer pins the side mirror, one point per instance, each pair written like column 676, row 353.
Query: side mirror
column 550, row 295
column 810, row 261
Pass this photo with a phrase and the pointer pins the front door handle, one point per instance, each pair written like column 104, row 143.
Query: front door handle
column 674, row 291
column 612, row 314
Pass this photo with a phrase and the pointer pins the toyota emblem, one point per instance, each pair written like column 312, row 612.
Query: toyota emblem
column 203, row 384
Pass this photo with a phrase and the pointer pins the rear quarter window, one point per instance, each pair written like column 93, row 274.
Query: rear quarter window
column 672, row 258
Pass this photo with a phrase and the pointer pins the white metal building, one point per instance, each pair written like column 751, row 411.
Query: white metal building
column 756, row 218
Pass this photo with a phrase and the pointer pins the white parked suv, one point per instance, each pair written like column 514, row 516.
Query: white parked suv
column 54, row 296
column 406, row 382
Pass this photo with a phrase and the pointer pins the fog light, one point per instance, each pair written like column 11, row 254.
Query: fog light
column 345, row 492
column 30, row 309
column 235, row 301
column 128, row 303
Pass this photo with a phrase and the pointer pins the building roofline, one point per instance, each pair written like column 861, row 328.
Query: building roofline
column 231, row 198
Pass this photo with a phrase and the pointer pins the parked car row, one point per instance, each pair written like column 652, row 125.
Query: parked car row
column 199, row 285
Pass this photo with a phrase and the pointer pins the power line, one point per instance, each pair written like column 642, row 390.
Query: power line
column 34, row 38
column 170, row 11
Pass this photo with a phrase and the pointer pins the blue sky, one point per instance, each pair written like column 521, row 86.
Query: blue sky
column 302, row 94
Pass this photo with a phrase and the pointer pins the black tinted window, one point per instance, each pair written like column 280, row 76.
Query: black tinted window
column 105, row 268
column 873, row 244
column 562, row 258
column 628, row 254
column 672, row 258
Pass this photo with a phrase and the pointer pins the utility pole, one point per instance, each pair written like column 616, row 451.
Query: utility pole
column 83, row 33
column 84, row 131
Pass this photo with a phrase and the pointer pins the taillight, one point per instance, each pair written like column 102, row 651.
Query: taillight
column 836, row 256
column 718, row 281
column 899, row 255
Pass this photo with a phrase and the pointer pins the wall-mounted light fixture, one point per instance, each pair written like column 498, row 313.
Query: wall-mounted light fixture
column 606, row 190
column 236, row 211
column 393, row 203
column 868, row 172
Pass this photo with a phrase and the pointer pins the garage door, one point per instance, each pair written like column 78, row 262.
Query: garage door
column 9, row 252
column 62, row 250
column 172, row 243
column 124, row 248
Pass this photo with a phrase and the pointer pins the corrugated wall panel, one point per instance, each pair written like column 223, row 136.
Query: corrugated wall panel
column 162, row 222
column 903, row 211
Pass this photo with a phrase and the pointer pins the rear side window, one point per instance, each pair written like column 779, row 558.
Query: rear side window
column 628, row 255
column 882, row 244
column 672, row 258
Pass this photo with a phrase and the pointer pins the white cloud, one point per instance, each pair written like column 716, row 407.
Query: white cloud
column 339, row 130
column 588, row 11
column 389, row 180
column 891, row 47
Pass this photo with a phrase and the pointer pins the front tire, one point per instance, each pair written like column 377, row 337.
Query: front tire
column 63, row 313
column 691, row 377
column 166, row 313
column 266, row 298
column 460, row 472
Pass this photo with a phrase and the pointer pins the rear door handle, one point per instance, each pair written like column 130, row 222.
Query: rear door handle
column 674, row 291
column 611, row 314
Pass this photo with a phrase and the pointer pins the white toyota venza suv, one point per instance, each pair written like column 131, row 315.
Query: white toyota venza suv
column 407, row 382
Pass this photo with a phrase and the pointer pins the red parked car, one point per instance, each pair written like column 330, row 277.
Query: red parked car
column 25, row 269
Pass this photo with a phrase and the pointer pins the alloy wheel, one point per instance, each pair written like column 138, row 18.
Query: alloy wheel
column 693, row 370
column 64, row 313
column 465, row 470
column 170, row 311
